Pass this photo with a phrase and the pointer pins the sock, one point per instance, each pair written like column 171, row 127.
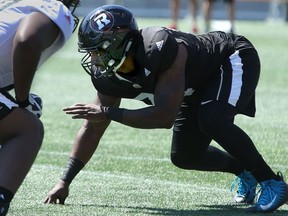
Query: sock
column 263, row 172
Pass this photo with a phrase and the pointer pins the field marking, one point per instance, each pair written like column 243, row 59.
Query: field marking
column 114, row 157
column 132, row 158
column 134, row 178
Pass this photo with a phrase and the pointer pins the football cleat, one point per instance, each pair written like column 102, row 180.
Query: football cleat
column 246, row 188
column 273, row 194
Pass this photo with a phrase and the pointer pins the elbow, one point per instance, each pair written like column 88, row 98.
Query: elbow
column 167, row 124
column 27, row 44
column 165, row 120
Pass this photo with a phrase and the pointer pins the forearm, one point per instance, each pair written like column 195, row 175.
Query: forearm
column 25, row 63
column 87, row 140
column 145, row 118
column 85, row 145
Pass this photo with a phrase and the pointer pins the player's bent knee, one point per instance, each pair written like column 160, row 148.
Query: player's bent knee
column 183, row 161
column 177, row 160
column 39, row 132
column 36, row 132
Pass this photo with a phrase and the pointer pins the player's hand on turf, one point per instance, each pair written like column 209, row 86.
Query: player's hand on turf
column 91, row 112
column 58, row 194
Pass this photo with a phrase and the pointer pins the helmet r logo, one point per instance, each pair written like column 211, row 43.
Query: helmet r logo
column 102, row 22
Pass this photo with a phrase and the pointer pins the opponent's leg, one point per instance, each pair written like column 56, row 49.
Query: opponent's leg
column 21, row 135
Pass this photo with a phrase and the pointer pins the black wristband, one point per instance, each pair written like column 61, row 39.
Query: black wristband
column 115, row 114
column 24, row 103
column 72, row 168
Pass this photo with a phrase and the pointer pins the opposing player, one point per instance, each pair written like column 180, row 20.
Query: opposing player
column 30, row 32
column 207, row 12
column 197, row 84
column 175, row 9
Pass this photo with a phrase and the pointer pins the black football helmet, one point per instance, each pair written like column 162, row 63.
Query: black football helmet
column 106, row 33
column 72, row 5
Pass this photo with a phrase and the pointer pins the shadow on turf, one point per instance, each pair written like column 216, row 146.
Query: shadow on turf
column 200, row 210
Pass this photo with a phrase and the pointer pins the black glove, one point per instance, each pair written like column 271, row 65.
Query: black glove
column 33, row 104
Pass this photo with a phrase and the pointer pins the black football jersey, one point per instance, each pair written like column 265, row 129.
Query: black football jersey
column 156, row 51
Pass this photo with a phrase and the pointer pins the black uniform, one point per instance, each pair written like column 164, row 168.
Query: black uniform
column 209, row 57
column 220, row 66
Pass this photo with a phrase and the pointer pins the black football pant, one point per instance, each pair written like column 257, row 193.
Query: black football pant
column 193, row 132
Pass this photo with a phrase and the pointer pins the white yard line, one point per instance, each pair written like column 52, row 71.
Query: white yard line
column 138, row 179
column 274, row 166
column 111, row 157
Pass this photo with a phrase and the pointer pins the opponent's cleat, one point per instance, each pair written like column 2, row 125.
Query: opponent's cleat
column 246, row 188
column 273, row 194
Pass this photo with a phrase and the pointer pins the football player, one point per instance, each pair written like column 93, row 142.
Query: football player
column 195, row 84
column 30, row 32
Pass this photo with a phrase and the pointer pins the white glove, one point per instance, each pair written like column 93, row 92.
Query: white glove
column 33, row 104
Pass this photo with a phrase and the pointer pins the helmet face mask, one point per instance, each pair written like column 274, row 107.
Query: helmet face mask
column 76, row 22
column 106, row 34
column 71, row 4
column 93, row 66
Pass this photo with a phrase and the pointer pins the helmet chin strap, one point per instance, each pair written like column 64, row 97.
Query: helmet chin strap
column 121, row 62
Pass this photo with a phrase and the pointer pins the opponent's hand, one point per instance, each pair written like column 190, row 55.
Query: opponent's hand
column 33, row 104
column 58, row 194
column 91, row 112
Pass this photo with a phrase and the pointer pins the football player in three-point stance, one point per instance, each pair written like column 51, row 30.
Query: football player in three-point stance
column 30, row 32
column 195, row 83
